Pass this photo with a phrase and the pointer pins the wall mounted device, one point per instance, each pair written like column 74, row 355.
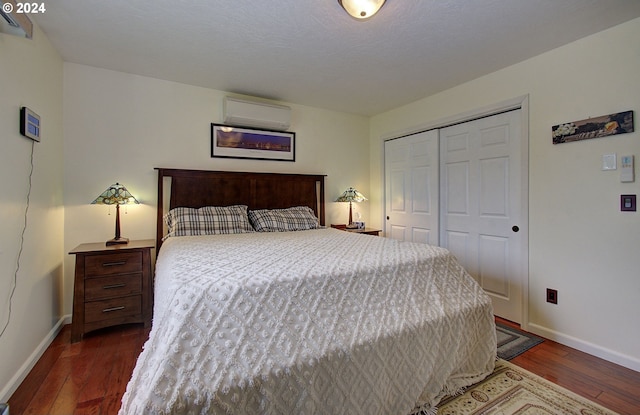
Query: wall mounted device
column 609, row 161
column 29, row 124
column 242, row 113
column 14, row 21
column 626, row 169
column 627, row 203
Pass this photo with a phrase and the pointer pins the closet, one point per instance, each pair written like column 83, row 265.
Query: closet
column 463, row 187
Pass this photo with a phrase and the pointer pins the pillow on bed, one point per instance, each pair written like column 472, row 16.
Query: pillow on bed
column 297, row 218
column 208, row 220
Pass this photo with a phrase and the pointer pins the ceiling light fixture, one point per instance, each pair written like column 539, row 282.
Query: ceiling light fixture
column 361, row 9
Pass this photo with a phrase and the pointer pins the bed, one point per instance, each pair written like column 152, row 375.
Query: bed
column 307, row 321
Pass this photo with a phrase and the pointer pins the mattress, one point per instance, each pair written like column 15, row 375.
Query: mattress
column 309, row 322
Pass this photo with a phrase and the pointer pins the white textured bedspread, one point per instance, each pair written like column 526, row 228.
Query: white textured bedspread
column 310, row 322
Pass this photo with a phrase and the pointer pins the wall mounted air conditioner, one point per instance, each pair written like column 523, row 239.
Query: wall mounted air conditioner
column 15, row 22
column 243, row 113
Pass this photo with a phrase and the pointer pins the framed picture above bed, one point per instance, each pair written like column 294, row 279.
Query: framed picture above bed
column 247, row 143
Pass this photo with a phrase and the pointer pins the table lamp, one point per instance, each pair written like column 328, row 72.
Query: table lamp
column 117, row 195
column 351, row 195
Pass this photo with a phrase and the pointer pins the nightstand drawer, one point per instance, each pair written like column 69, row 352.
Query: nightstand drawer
column 113, row 263
column 114, row 286
column 112, row 309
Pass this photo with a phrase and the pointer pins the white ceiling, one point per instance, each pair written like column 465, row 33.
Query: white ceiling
column 311, row 52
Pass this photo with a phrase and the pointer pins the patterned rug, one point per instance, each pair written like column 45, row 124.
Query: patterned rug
column 510, row 390
column 512, row 342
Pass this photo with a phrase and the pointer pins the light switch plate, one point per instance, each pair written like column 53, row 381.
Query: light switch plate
column 628, row 203
column 609, row 162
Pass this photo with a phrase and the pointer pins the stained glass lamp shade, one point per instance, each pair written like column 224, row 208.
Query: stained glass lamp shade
column 117, row 195
column 351, row 195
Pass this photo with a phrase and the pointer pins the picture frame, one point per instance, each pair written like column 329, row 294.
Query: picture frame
column 228, row 141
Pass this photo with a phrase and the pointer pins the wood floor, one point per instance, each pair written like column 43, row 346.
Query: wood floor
column 90, row 377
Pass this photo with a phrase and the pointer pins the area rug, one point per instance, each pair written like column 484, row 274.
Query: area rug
column 511, row 390
column 512, row 342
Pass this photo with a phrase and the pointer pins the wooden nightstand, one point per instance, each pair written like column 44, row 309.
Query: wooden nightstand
column 113, row 285
column 366, row 231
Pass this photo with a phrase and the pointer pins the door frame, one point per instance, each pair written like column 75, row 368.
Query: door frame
column 521, row 102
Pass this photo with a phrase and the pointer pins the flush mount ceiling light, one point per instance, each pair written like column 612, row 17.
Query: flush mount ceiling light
column 361, row 9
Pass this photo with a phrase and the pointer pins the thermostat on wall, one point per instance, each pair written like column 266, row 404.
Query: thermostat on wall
column 29, row 124
column 626, row 170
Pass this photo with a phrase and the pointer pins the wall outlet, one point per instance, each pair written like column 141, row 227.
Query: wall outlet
column 552, row 296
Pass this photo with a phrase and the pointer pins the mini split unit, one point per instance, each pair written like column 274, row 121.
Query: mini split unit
column 15, row 20
column 244, row 113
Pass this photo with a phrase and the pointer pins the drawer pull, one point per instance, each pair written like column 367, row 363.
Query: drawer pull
column 108, row 310
column 110, row 287
column 113, row 264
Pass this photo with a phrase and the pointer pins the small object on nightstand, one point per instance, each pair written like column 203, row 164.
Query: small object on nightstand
column 117, row 195
column 113, row 285
column 358, row 225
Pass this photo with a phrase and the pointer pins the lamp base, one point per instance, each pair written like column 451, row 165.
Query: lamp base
column 118, row 241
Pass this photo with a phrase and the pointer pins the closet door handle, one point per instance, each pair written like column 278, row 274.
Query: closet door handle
column 515, row 228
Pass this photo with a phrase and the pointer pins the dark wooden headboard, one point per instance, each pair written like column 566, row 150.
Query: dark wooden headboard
column 198, row 188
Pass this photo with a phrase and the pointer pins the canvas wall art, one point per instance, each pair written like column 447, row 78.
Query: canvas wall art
column 604, row 126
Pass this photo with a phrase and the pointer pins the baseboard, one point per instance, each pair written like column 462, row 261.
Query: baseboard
column 629, row 362
column 26, row 367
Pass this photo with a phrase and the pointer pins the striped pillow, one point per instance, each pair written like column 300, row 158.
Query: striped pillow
column 280, row 220
column 208, row 220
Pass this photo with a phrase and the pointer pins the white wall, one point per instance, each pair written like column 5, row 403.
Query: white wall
column 580, row 243
column 118, row 127
column 30, row 75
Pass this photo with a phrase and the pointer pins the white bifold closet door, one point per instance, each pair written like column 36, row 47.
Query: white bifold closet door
column 411, row 188
column 480, row 205
column 460, row 187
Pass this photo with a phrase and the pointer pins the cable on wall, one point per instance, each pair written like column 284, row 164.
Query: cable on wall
column 24, row 229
